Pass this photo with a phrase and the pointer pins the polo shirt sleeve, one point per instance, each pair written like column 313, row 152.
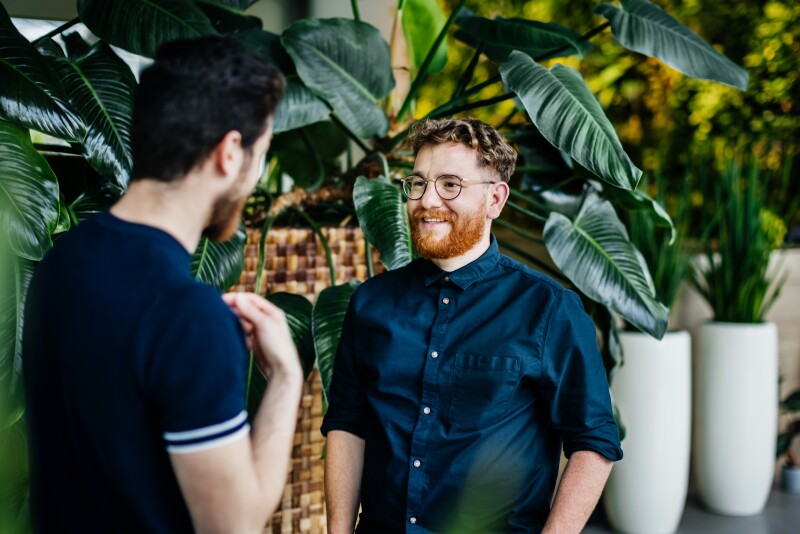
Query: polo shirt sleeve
column 198, row 372
column 574, row 383
column 347, row 398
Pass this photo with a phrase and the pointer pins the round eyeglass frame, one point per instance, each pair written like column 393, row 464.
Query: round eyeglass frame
column 406, row 185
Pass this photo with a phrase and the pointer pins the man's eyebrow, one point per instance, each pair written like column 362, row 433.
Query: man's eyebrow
column 417, row 173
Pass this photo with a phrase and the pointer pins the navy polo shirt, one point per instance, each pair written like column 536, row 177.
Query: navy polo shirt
column 126, row 358
column 465, row 386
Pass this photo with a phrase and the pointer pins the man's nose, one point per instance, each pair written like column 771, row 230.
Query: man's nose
column 430, row 198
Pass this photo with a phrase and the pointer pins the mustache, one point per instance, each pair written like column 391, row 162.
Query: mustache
column 420, row 214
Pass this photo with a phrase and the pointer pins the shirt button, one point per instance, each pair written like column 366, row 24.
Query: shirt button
column 426, row 410
column 417, row 463
column 413, row 520
column 445, row 300
column 446, row 278
column 434, row 354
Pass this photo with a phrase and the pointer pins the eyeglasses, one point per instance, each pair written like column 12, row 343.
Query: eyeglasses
column 447, row 186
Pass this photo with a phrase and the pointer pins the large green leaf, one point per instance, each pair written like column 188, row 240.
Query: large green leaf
column 646, row 28
column 635, row 200
column 310, row 154
column 269, row 45
column 569, row 117
column 31, row 92
column 28, row 193
column 14, row 480
column 326, row 325
column 383, row 218
column 141, row 26
column 596, row 255
column 347, row 63
column 220, row 264
column 15, row 275
column 100, row 88
column 422, row 22
column 90, row 203
column 298, row 314
column 227, row 19
column 237, row 4
column 299, row 107
column 499, row 37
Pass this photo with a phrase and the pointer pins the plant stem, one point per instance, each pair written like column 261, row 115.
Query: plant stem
column 423, row 69
column 516, row 207
column 507, row 119
column 349, row 133
column 368, row 256
column 466, row 77
column 356, row 12
column 67, row 25
column 519, row 231
column 473, row 105
column 585, row 37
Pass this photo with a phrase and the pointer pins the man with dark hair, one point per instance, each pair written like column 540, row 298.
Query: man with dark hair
column 460, row 376
column 135, row 373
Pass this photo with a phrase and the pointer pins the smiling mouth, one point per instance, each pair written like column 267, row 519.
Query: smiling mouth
column 431, row 220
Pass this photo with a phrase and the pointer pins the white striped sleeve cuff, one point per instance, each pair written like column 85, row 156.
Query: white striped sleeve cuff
column 208, row 437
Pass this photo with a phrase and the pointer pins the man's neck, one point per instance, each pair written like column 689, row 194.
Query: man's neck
column 171, row 207
column 453, row 264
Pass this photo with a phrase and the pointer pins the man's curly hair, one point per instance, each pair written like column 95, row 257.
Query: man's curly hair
column 493, row 151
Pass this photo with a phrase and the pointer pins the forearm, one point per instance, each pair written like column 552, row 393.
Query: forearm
column 273, row 435
column 344, row 463
column 581, row 485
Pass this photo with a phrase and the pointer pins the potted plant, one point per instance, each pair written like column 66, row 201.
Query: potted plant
column 789, row 444
column 736, row 353
column 651, row 388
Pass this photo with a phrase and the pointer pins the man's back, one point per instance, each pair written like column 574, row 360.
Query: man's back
column 126, row 358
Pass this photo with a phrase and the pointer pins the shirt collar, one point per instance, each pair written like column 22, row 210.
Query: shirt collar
column 468, row 274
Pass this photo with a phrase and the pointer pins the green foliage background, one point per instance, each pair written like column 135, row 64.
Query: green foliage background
column 666, row 119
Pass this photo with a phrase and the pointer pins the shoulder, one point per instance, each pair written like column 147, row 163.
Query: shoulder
column 526, row 276
column 394, row 281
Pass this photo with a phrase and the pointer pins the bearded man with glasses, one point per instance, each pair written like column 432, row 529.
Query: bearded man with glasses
column 460, row 377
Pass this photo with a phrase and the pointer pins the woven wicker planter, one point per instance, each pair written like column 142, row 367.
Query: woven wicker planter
column 296, row 263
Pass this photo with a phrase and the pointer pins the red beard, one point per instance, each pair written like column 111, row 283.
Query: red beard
column 464, row 234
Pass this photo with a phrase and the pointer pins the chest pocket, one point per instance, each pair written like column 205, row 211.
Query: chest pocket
column 482, row 387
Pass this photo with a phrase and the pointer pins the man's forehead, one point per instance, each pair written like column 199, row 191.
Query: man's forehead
column 446, row 158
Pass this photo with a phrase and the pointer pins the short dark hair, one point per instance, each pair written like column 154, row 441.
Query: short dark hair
column 493, row 151
column 195, row 92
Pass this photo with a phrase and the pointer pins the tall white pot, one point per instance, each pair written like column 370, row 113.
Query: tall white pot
column 646, row 491
column 735, row 415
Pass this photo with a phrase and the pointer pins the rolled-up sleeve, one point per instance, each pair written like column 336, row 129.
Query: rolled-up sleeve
column 574, row 383
column 348, row 392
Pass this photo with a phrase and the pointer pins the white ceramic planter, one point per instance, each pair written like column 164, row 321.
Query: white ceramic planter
column 735, row 415
column 646, row 491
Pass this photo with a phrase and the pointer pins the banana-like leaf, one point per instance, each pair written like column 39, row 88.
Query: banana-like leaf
column 596, row 255
column 299, row 107
column 646, row 28
column 31, row 92
column 570, row 118
column 269, row 45
column 422, row 22
column 14, row 480
column 237, row 4
column 298, row 314
column 100, row 88
column 310, row 154
column 141, row 26
column 383, row 218
column 635, row 200
column 90, row 203
column 227, row 19
column 220, row 264
column 326, row 325
column 347, row 63
column 28, row 194
column 15, row 275
column 499, row 37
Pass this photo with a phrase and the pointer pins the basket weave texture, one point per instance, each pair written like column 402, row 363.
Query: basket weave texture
column 295, row 262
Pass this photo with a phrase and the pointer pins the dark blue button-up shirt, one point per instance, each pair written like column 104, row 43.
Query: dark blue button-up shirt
column 464, row 386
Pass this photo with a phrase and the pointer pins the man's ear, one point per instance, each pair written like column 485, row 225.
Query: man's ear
column 497, row 199
column 229, row 155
